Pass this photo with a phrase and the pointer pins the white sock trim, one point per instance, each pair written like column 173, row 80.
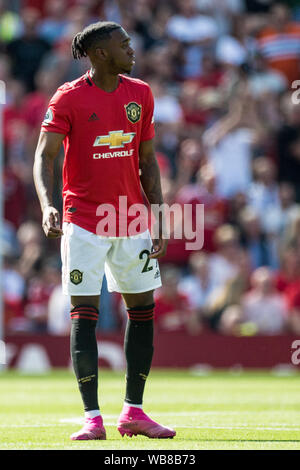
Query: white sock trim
column 92, row 413
column 134, row 406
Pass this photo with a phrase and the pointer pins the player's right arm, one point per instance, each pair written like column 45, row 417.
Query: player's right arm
column 47, row 150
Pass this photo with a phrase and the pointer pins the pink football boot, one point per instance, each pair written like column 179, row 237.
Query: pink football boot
column 134, row 421
column 93, row 429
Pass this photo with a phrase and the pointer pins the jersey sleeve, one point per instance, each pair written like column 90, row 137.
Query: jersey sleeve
column 148, row 131
column 57, row 117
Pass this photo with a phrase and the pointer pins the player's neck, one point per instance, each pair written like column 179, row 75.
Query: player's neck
column 105, row 81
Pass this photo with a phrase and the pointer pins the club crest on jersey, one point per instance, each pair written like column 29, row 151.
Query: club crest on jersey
column 133, row 112
column 76, row 276
column 48, row 117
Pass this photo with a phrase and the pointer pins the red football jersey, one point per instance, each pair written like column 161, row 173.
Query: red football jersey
column 103, row 132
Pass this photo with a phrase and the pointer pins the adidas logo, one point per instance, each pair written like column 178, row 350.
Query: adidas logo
column 93, row 117
column 157, row 274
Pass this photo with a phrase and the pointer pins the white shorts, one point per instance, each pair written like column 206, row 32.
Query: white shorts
column 87, row 256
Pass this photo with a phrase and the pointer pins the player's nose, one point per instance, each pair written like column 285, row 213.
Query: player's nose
column 131, row 52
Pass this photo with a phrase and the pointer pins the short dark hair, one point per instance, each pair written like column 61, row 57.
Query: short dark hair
column 92, row 33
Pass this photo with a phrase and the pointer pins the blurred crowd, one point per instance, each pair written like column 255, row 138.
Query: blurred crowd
column 225, row 76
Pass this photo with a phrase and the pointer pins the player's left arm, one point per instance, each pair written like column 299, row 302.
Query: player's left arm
column 150, row 180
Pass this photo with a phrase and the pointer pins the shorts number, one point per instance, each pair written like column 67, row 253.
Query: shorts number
column 146, row 267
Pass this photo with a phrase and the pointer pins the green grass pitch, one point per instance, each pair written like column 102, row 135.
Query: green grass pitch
column 250, row 410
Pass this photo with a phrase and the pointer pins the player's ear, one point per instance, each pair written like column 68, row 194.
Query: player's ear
column 101, row 53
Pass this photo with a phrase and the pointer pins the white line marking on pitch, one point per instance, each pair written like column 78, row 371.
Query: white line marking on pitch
column 180, row 413
column 79, row 421
column 244, row 427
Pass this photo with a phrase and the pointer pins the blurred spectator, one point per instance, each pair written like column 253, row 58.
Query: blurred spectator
column 141, row 23
column 279, row 217
column 5, row 68
column 13, row 286
column 263, row 306
column 53, row 25
column 173, row 311
column 164, row 165
column 201, row 96
column 288, row 144
column 264, row 80
column 162, row 61
column 204, row 192
column 258, row 6
column 223, row 11
column 187, row 163
column 189, row 159
column 14, row 197
column 31, row 242
column 36, row 103
column 199, row 284
column 231, row 320
column 196, row 31
column 15, row 125
column 109, row 316
column 239, row 47
column 240, row 129
column 164, row 11
column 211, row 74
column 223, row 310
column 292, row 232
column 223, row 263
column 261, row 249
column 9, row 242
column 167, row 115
column 78, row 16
column 263, row 193
column 58, row 312
column 194, row 113
column 39, row 290
column 292, row 295
column 27, row 52
column 10, row 25
column 289, row 271
column 279, row 42
column 108, row 9
column 59, row 59
column 236, row 204
column 167, row 110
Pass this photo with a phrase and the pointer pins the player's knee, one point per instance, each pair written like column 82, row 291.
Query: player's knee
column 140, row 299
column 90, row 300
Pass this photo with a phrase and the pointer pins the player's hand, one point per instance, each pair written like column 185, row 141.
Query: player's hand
column 51, row 223
column 159, row 248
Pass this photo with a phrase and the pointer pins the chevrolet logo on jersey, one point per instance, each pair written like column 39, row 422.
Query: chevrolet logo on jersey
column 115, row 139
